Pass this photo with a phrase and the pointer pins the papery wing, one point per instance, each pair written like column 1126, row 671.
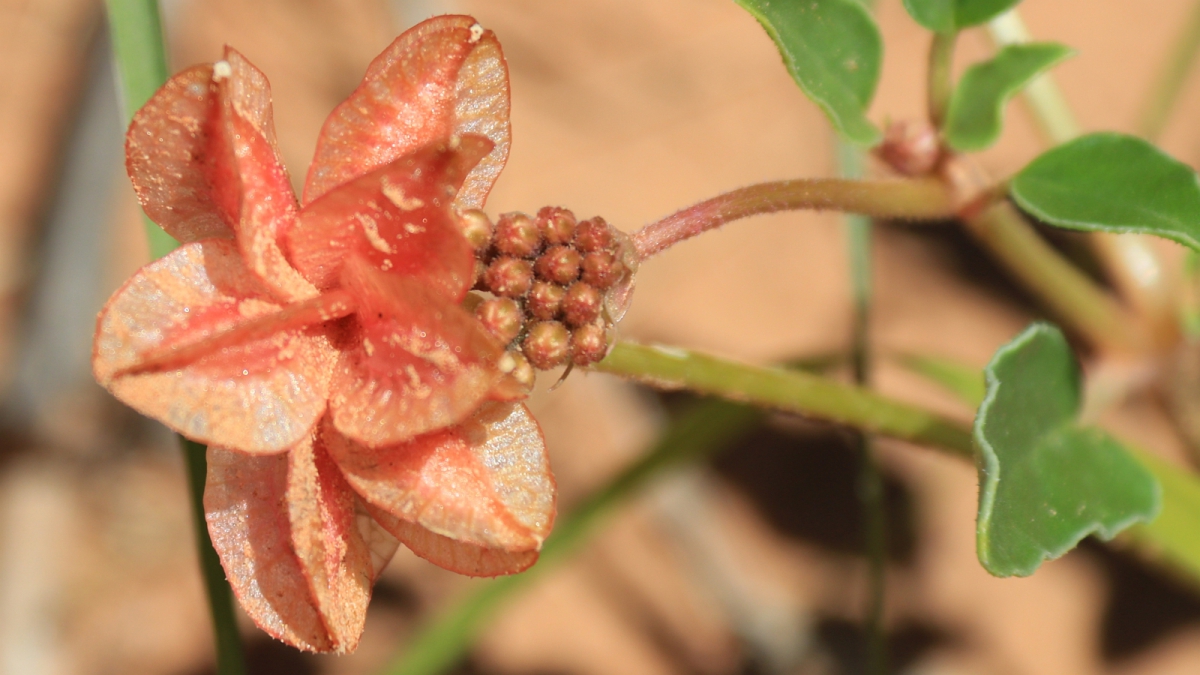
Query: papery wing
column 445, row 76
column 179, row 171
column 333, row 555
column 447, row 553
column 267, row 204
column 264, row 396
column 485, row 482
column 397, row 217
column 246, row 506
column 418, row 363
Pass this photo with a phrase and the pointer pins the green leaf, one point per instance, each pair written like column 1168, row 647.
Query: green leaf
column 1046, row 483
column 947, row 16
column 1110, row 182
column 1171, row 536
column 833, row 50
column 961, row 380
column 975, row 116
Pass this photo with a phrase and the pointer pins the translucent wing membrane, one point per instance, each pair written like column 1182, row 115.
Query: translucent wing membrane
column 485, row 483
column 245, row 503
column 438, row 79
column 261, row 396
column 456, row 556
column 170, row 159
column 420, row 362
column 397, row 218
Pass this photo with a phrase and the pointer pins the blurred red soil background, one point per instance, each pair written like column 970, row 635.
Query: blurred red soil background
column 627, row 109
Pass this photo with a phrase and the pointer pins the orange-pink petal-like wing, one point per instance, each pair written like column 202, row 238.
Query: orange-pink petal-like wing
column 485, row 482
column 334, row 557
column 397, row 217
column 264, row 396
column 418, row 363
column 447, row 553
column 246, row 505
column 267, row 204
column 445, row 76
column 181, row 177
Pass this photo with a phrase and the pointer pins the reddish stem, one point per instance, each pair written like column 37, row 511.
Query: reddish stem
column 917, row 199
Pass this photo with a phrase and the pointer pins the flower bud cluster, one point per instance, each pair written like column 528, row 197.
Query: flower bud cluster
column 554, row 282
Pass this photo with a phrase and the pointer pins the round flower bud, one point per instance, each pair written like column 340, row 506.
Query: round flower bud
column 502, row 317
column 517, row 235
column 593, row 235
column 547, row 345
column 545, row 300
column 509, row 277
column 559, row 264
column 581, row 304
column 602, row 269
column 911, row 147
column 588, row 345
column 556, row 224
column 515, row 364
column 477, row 228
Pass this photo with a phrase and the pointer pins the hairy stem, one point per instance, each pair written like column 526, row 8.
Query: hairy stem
column 140, row 54
column 922, row 199
column 1068, row 292
column 786, row 390
column 940, row 83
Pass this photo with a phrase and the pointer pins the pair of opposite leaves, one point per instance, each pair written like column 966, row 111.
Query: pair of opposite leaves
column 319, row 347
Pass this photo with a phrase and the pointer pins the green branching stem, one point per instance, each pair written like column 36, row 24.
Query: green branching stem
column 140, row 53
column 1132, row 264
column 788, row 391
column 1067, row 291
column 919, row 199
column 941, row 76
column 1169, row 83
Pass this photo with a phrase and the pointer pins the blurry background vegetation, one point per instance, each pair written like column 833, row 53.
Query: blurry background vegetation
column 628, row 109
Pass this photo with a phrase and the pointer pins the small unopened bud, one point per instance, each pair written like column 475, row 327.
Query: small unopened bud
column 502, row 317
column 556, row 224
column 581, row 305
column 509, row 277
column 602, row 269
column 588, row 345
column 476, row 227
column 480, row 269
column 560, row 264
column 517, row 235
column 545, row 299
column 593, row 235
column 911, row 147
column 547, row 345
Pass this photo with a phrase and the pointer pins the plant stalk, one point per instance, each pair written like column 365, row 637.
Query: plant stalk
column 940, row 86
column 1129, row 260
column 1169, row 83
column 1067, row 291
column 786, row 390
column 920, row 199
column 140, row 53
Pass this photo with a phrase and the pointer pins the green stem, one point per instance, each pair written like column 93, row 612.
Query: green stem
column 858, row 239
column 706, row 427
column 138, row 46
column 940, row 85
column 920, row 199
column 137, row 40
column 230, row 660
column 786, row 390
column 1129, row 260
column 1169, row 84
column 1068, row 292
